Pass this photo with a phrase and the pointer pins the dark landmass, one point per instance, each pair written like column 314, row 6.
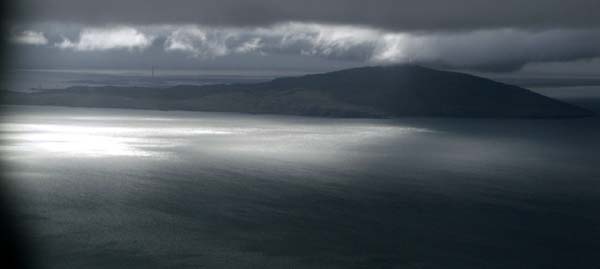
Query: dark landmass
column 383, row 91
column 591, row 103
column 550, row 82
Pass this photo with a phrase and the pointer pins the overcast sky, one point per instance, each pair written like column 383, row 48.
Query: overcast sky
column 479, row 35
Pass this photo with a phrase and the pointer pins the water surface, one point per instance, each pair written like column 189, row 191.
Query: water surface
column 110, row 188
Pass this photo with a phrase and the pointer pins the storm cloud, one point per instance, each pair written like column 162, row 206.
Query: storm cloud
column 479, row 35
column 397, row 15
column 29, row 38
column 107, row 38
column 498, row 50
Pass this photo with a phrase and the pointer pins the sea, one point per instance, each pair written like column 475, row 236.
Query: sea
column 119, row 188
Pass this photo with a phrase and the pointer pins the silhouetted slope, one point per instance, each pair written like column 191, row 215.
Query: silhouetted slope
column 383, row 91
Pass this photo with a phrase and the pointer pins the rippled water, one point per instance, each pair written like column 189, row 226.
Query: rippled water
column 109, row 188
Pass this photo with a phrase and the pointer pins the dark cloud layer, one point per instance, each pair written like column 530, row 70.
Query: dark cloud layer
column 500, row 50
column 482, row 35
column 404, row 15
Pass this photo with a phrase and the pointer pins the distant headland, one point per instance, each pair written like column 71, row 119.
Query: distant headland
column 378, row 91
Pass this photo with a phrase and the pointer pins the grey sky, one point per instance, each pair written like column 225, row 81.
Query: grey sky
column 399, row 15
column 496, row 36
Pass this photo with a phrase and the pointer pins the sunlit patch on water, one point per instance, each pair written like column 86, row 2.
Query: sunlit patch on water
column 59, row 135
column 94, row 141
column 317, row 141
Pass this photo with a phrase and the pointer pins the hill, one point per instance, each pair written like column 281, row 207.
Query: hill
column 379, row 91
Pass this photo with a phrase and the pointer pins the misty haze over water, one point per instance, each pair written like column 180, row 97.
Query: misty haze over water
column 110, row 188
column 24, row 80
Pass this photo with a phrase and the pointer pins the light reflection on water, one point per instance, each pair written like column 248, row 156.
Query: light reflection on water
column 97, row 136
column 109, row 188
column 94, row 141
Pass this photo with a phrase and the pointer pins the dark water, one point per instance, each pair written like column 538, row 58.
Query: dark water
column 107, row 188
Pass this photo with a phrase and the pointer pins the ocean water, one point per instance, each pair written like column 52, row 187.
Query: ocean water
column 111, row 188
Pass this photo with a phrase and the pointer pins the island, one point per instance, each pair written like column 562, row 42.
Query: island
column 374, row 91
